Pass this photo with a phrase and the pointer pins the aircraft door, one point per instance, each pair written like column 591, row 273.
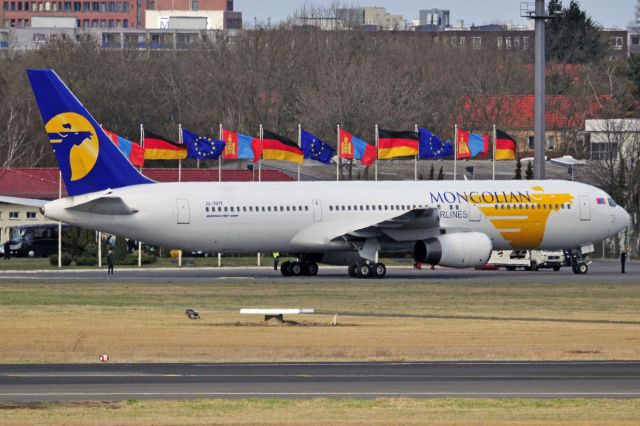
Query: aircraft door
column 317, row 211
column 474, row 213
column 182, row 206
column 585, row 208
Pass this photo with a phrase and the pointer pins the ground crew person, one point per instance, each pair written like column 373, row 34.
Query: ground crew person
column 276, row 258
column 7, row 250
column 110, row 262
column 623, row 258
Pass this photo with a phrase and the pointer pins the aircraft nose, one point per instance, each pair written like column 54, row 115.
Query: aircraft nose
column 625, row 219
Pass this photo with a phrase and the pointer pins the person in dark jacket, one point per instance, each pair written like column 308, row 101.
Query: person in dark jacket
column 110, row 262
column 7, row 250
column 623, row 258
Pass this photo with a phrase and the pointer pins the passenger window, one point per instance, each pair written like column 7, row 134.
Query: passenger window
column 367, row 206
column 288, row 208
column 450, row 206
column 556, row 206
column 206, row 208
column 306, row 208
column 361, row 208
column 568, row 206
column 225, row 209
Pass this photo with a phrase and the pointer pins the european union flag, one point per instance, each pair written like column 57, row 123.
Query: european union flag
column 315, row 148
column 431, row 146
column 200, row 147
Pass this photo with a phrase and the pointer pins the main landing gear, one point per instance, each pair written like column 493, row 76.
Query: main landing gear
column 299, row 268
column 367, row 270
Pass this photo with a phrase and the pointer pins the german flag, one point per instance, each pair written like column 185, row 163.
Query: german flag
column 392, row 144
column 276, row 147
column 505, row 146
column 160, row 148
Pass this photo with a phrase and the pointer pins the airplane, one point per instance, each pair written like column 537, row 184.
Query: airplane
column 450, row 223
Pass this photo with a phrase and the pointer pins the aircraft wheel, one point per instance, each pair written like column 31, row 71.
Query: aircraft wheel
column 285, row 269
column 581, row 268
column 311, row 269
column 296, row 269
column 353, row 271
column 364, row 271
column 379, row 270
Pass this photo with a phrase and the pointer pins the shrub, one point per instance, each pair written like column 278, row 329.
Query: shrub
column 66, row 259
column 86, row 261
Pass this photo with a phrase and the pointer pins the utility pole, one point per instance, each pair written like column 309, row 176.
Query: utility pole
column 540, row 15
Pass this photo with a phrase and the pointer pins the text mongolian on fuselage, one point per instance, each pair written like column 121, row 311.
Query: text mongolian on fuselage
column 478, row 197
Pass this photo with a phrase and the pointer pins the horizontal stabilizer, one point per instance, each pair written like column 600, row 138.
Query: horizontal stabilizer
column 30, row 202
column 108, row 205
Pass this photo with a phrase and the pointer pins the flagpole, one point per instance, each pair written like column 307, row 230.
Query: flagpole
column 415, row 158
column 179, row 180
column 59, row 223
column 221, row 155
column 494, row 152
column 299, row 146
column 376, row 167
column 455, row 153
column 260, row 159
column 179, row 159
column 142, row 142
column 339, row 148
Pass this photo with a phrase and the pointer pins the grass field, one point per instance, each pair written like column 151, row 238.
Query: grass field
column 330, row 412
column 145, row 322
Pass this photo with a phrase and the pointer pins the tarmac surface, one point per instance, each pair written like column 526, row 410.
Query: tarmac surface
column 600, row 271
column 65, row 382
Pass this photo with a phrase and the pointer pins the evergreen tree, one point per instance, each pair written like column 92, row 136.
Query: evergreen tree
column 572, row 36
column 432, row 172
column 441, row 174
column 120, row 249
column 634, row 73
column 528, row 174
column 518, row 175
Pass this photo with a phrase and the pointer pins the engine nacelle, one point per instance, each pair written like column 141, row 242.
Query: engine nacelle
column 457, row 250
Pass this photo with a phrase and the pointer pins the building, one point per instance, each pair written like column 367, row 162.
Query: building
column 43, row 184
column 219, row 14
column 634, row 32
column 371, row 18
column 606, row 138
column 435, row 18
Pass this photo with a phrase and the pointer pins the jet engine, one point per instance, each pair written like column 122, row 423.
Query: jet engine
column 457, row 250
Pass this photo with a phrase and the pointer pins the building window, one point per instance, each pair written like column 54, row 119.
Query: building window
column 151, row 4
column 507, row 42
column 516, row 42
column 14, row 215
column 616, row 43
column 125, row 23
column 230, row 5
column 19, row 6
column 6, row 6
column 194, row 4
column 125, row 7
column 476, row 42
column 525, row 43
column 94, row 23
column 635, row 40
column 551, row 142
column 112, row 6
column 462, row 40
column 530, row 140
column 103, row 23
column 103, row 7
column 95, row 6
column 499, row 42
column 31, row 215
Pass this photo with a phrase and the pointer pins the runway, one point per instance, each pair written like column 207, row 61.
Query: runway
column 65, row 382
column 600, row 271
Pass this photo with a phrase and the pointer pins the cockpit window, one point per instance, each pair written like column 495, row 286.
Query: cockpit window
column 612, row 203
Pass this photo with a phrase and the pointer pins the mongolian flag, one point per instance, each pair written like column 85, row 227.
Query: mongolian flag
column 276, row 147
column 132, row 151
column 356, row 148
column 200, row 147
column 478, row 145
column 431, row 146
column 393, row 144
column 505, row 146
column 463, row 144
column 160, row 148
column 315, row 148
column 239, row 146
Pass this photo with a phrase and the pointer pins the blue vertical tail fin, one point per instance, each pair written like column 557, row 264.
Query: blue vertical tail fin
column 87, row 158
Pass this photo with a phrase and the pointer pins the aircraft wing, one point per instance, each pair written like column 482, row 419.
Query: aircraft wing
column 31, row 202
column 413, row 225
column 106, row 204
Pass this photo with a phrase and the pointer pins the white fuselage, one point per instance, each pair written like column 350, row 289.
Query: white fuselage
column 311, row 217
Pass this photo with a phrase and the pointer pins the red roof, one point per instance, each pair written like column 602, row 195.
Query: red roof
column 517, row 112
column 42, row 183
